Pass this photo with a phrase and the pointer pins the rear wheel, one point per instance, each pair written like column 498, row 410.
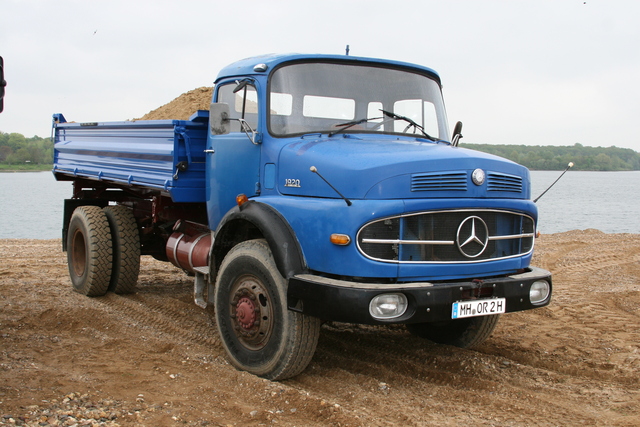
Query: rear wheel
column 259, row 333
column 89, row 251
column 463, row 333
column 126, row 249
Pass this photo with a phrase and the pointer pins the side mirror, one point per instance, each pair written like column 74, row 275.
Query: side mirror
column 219, row 118
column 457, row 134
column 3, row 83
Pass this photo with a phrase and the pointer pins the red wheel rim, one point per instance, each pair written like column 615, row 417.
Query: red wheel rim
column 251, row 312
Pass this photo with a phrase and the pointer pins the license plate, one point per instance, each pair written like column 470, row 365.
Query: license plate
column 483, row 307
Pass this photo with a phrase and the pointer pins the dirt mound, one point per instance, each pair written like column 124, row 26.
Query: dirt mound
column 183, row 106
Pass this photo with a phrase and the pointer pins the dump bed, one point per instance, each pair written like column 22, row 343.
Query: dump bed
column 165, row 155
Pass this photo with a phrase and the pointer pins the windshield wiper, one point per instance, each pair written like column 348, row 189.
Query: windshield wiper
column 346, row 125
column 413, row 124
column 393, row 116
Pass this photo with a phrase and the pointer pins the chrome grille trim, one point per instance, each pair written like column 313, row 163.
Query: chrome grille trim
column 513, row 236
column 410, row 242
column 390, row 239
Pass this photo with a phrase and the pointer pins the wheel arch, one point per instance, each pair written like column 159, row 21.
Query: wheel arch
column 258, row 220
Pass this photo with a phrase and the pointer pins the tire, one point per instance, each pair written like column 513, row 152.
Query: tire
column 464, row 333
column 258, row 332
column 89, row 251
column 126, row 249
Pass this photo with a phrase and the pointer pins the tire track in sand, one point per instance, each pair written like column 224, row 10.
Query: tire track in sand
column 183, row 325
column 361, row 361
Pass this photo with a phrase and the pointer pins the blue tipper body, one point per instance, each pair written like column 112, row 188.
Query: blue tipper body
column 142, row 153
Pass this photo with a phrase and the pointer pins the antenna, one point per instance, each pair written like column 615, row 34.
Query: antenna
column 347, row 50
column 570, row 165
column 315, row 170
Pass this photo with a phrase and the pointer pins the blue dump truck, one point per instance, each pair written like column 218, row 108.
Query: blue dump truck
column 316, row 188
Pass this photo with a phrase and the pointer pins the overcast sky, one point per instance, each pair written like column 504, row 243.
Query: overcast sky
column 545, row 72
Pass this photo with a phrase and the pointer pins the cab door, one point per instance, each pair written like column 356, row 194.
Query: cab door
column 233, row 160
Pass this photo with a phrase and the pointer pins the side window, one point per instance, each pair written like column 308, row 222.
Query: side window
column 242, row 104
column 431, row 120
column 410, row 108
column 280, row 110
column 325, row 107
column 421, row 112
column 281, row 104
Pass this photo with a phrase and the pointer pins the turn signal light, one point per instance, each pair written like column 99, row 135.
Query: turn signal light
column 340, row 239
column 241, row 199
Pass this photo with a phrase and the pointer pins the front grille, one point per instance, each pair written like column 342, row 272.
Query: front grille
column 460, row 236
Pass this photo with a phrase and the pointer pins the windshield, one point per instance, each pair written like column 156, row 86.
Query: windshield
column 342, row 98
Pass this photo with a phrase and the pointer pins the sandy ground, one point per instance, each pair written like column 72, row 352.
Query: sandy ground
column 153, row 358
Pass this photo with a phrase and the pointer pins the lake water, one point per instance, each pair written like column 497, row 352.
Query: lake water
column 606, row 201
column 31, row 203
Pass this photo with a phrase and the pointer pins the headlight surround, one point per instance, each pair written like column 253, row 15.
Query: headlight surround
column 539, row 292
column 388, row 306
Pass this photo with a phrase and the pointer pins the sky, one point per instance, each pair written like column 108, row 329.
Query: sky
column 546, row 72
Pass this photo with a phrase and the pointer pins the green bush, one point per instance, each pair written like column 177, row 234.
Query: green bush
column 15, row 149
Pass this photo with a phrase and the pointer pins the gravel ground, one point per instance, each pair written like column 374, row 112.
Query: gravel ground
column 153, row 358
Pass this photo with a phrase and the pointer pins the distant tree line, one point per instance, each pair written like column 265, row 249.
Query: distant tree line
column 15, row 149
column 557, row 158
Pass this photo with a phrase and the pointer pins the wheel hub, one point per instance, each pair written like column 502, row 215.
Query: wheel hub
column 246, row 313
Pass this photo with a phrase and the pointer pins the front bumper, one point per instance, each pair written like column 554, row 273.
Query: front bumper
column 345, row 301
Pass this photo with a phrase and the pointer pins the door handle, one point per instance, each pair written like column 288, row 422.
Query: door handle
column 209, row 151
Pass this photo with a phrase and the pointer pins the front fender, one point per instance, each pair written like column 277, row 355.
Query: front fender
column 255, row 220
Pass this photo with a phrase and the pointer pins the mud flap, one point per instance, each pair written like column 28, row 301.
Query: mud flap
column 202, row 283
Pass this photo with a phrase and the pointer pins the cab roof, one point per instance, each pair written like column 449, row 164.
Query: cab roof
column 264, row 64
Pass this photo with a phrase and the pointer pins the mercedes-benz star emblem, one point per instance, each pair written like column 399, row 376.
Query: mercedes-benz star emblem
column 472, row 237
column 478, row 176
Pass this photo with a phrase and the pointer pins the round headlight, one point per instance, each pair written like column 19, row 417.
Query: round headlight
column 388, row 306
column 539, row 291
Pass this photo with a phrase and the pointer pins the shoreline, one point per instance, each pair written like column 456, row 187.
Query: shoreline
column 23, row 170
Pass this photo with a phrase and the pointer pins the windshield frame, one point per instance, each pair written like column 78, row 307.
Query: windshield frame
column 363, row 85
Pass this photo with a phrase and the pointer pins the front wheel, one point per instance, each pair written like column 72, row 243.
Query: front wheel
column 258, row 332
column 463, row 333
